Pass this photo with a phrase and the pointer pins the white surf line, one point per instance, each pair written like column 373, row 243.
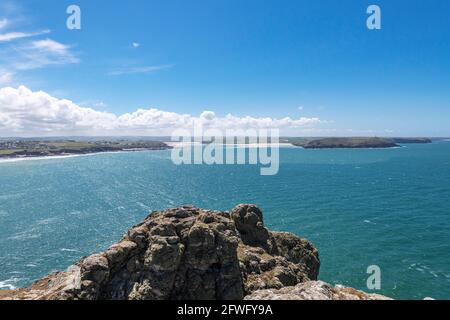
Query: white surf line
column 239, row 145
column 12, row 160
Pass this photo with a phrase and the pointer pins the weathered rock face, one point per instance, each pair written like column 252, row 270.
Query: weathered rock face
column 271, row 259
column 313, row 290
column 186, row 253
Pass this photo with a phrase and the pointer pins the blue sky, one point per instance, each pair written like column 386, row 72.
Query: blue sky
column 312, row 59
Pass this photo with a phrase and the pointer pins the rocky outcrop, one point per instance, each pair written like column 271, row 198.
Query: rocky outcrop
column 314, row 290
column 271, row 259
column 186, row 253
column 193, row 254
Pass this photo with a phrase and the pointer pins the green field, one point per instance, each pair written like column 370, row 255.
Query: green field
column 8, row 152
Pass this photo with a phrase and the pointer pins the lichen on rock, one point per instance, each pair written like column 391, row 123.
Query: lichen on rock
column 313, row 290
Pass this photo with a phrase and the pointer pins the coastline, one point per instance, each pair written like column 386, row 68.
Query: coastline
column 13, row 151
column 67, row 156
column 170, row 146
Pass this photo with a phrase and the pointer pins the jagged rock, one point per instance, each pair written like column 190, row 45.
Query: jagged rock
column 271, row 259
column 313, row 290
column 249, row 222
column 190, row 253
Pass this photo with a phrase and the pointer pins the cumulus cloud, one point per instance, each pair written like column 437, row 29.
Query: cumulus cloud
column 27, row 113
column 24, row 112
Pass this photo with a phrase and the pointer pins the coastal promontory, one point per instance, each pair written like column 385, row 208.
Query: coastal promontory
column 353, row 142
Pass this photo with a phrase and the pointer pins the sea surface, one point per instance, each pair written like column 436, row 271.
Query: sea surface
column 384, row 207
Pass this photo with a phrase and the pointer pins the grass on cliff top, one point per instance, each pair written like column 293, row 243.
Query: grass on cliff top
column 75, row 144
column 6, row 151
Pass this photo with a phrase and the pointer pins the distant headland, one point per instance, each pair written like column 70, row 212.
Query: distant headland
column 23, row 148
column 353, row 142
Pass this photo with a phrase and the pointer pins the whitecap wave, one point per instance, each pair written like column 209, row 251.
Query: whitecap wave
column 69, row 250
column 427, row 270
column 8, row 160
column 68, row 156
column 9, row 284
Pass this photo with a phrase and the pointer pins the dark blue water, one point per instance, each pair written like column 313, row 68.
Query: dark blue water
column 385, row 207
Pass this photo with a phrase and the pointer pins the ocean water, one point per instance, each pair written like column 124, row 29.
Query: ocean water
column 385, row 207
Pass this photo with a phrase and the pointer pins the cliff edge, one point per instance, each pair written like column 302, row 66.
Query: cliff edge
column 194, row 254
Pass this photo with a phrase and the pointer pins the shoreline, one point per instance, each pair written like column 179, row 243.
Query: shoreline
column 69, row 155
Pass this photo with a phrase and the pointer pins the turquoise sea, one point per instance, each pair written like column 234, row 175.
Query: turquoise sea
column 385, row 207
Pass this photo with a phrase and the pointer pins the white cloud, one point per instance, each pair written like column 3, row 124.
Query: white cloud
column 93, row 104
column 50, row 46
column 29, row 54
column 37, row 113
column 134, row 70
column 21, row 51
column 3, row 23
column 136, row 45
column 27, row 113
column 41, row 53
column 5, row 37
column 5, row 78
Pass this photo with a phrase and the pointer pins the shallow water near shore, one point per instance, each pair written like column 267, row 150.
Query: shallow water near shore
column 385, row 207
